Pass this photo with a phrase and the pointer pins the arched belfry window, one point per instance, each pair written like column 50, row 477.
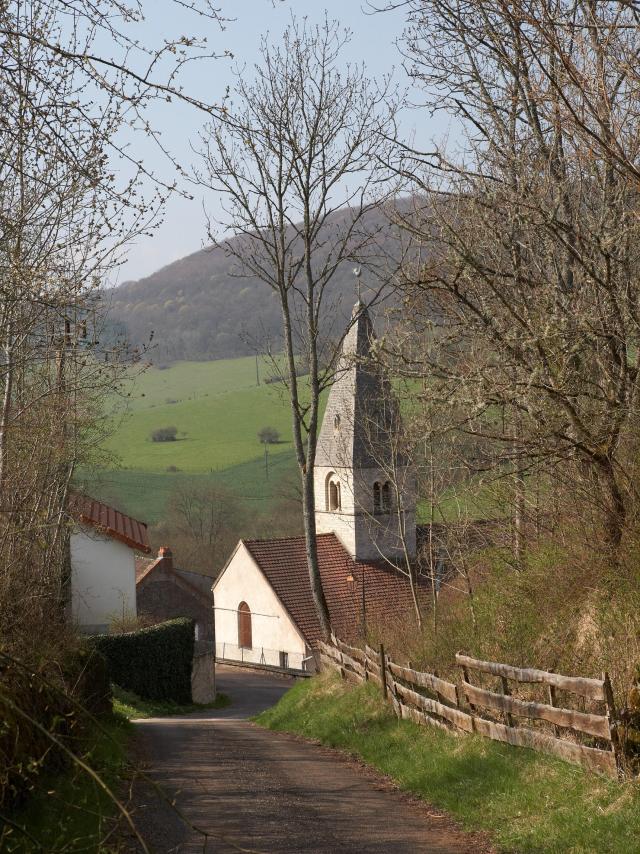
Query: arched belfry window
column 333, row 498
column 244, row 626
column 381, row 497
column 385, row 497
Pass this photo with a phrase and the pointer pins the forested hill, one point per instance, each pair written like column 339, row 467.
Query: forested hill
column 197, row 309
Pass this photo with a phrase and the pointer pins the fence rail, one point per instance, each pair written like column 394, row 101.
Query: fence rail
column 429, row 700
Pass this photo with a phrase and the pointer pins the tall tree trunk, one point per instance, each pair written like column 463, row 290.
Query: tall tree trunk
column 315, row 579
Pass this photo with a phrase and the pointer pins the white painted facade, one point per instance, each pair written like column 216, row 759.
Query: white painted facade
column 103, row 579
column 272, row 629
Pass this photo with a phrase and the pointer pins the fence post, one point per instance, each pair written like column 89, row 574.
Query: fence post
column 611, row 714
column 507, row 693
column 551, row 689
column 465, row 674
column 383, row 671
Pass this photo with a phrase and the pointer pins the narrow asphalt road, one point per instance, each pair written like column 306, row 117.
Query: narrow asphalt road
column 239, row 787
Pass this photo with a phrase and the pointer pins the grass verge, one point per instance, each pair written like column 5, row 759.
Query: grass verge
column 70, row 811
column 528, row 802
column 129, row 705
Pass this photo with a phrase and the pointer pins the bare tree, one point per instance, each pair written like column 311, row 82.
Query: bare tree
column 203, row 523
column 530, row 237
column 303, row 140
column 66, row 213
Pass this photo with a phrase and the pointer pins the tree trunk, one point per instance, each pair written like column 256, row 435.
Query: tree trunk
column 315, row 580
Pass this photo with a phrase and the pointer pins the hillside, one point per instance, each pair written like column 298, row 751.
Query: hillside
column 199, row 308
column 217, row 408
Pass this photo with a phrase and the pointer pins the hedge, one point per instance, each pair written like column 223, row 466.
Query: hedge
column 154, row 663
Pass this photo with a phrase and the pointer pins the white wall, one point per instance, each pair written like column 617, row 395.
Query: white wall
column 272, row 628
column 103, row 579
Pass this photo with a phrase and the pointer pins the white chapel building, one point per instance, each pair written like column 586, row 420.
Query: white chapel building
column 365, row 520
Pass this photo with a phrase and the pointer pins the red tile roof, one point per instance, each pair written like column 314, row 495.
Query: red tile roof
column 386, row 593
column 110, row 521
column 143, row 566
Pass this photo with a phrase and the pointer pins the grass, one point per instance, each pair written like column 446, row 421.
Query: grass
column 144, row 494
column 69, row 811
column 529, row 803
column 130, row 706
column 219, row 408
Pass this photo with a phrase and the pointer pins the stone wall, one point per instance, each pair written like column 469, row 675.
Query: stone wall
column 203, row 677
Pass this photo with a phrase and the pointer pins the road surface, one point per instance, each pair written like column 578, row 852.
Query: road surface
column 240, row 787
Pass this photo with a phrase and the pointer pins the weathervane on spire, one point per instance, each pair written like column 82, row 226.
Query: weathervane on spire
column 357, row 272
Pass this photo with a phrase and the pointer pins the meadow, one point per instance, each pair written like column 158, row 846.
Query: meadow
column 217, row 408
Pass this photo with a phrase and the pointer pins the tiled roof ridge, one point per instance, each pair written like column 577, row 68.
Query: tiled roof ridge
column 116, row 524
column 287, row 539
column 175, row 571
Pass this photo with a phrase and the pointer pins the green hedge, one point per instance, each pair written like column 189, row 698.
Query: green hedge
column 154, row 663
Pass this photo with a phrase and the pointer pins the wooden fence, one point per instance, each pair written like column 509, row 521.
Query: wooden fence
column 584, row 736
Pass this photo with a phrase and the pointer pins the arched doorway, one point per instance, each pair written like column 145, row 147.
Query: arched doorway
column 244, row 626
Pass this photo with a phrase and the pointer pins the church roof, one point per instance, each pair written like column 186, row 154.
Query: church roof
column 361, row 414
column 384, row 591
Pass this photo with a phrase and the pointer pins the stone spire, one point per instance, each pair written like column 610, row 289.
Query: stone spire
column 360, row 414
column 355, row 455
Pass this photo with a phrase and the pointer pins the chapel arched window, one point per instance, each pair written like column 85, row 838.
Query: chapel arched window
column 245, row 639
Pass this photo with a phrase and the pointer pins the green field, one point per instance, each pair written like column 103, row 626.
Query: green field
column 217, row 408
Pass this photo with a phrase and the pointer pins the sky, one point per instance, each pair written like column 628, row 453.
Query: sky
column 183, row 229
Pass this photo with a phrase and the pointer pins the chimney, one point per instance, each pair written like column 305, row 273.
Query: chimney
column 166, row 556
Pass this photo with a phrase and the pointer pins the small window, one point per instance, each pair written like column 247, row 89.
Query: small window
column 385, row 497
column 333, row 499
column 244, row 626
column 381, row 498
column 197, row 631
column 336, row 423
column 284, row 660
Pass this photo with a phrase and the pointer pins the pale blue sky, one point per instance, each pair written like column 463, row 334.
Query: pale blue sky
column 374, row 36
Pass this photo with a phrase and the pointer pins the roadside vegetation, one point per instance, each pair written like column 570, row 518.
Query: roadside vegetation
column 69, row 810
column 527, row 802
column 129, row 705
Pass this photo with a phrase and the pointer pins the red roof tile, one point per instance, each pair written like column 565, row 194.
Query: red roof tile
column 143, row 566
column 112, row 522
column 383, row 590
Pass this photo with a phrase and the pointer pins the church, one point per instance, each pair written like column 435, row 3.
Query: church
column 366, row 524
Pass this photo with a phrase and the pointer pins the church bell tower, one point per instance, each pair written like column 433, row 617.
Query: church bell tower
column 364, row 486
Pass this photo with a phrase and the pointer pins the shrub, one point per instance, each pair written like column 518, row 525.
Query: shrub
column 269, row 436
column 56, row 696
column 154, row 663
column 89, row 675
column 164, row 434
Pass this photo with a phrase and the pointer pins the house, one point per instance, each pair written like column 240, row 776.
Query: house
column 164, row 592
column 103, row 543
column 365, row 519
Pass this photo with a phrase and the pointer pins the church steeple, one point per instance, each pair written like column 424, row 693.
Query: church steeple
column 358, row 467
